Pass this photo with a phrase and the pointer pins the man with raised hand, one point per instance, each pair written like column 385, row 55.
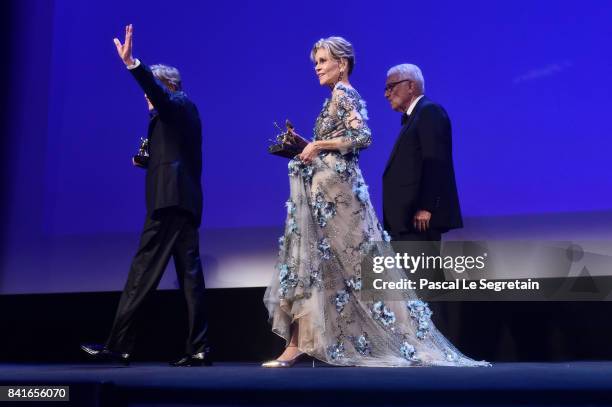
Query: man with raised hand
column 174, row 211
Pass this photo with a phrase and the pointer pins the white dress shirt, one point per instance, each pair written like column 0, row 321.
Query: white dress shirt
column 413, row 104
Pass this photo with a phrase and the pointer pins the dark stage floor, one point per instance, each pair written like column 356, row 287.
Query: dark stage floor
column 230, row 384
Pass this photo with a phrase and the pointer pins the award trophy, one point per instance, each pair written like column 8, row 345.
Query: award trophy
column 287, row 143
column 142, row 158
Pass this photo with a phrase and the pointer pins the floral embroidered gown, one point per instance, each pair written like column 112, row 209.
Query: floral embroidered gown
column 330, row 221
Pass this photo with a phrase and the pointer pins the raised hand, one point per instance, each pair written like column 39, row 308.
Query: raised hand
column 125, row 50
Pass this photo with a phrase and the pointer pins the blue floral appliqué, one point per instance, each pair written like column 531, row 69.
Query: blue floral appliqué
column 383, row 314
column 294, row 167
column 290, row 207
column 362, row 345
column 281, row 243
column 297, row 167
column 336, row 351
column 353, row 284
column 365, row 246
column 341, row 167
column 341, row 299
column 408, row 351
column 292, row 226
column 421, row 313
column 324, row 249
column 451, row 356
column 315, row 278
column 363, row 112
column 360, row 189
column 307, row 171
column 288, row 279
column 323, row 211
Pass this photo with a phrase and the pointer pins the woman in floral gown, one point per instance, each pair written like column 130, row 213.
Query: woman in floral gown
column 313, row 300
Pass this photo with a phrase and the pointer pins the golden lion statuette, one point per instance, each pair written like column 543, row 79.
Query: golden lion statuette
column 287, row 144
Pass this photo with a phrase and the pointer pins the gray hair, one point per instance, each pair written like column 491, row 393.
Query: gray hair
column 338, row 48
column 409, row 71
column 168, row 75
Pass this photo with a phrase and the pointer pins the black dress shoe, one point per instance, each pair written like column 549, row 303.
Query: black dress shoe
column 198, row 359
column 100, row 353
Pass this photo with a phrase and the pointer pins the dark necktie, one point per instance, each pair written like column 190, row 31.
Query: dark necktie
column 404, row 119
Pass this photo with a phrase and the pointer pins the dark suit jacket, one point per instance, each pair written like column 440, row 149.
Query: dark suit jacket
column 175, row 149
column 420, row 174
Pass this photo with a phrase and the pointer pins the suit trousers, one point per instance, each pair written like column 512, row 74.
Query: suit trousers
column 172, row 233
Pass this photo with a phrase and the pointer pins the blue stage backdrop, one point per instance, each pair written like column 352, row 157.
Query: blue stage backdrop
column 526, row 84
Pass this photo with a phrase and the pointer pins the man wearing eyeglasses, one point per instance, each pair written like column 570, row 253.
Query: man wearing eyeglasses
column 420, row 199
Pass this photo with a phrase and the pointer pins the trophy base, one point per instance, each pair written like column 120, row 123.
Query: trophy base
column 284, row 150
column 140, row 161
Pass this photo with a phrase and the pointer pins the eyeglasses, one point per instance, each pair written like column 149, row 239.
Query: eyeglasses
column 389, row 87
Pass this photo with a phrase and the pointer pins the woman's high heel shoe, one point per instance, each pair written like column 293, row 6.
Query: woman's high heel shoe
column 282, row 363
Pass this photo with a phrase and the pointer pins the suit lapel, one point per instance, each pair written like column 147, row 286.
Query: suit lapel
column 403, row 131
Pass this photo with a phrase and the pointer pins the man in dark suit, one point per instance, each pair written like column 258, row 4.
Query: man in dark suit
column 174, row 211
column 420, row 199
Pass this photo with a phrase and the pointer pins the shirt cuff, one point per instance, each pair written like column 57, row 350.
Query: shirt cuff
column 136, row 64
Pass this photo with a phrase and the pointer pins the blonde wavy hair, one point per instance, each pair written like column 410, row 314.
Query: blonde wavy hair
column 338, row 48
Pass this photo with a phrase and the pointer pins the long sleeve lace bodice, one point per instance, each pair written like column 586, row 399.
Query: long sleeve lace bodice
column 344, row 116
